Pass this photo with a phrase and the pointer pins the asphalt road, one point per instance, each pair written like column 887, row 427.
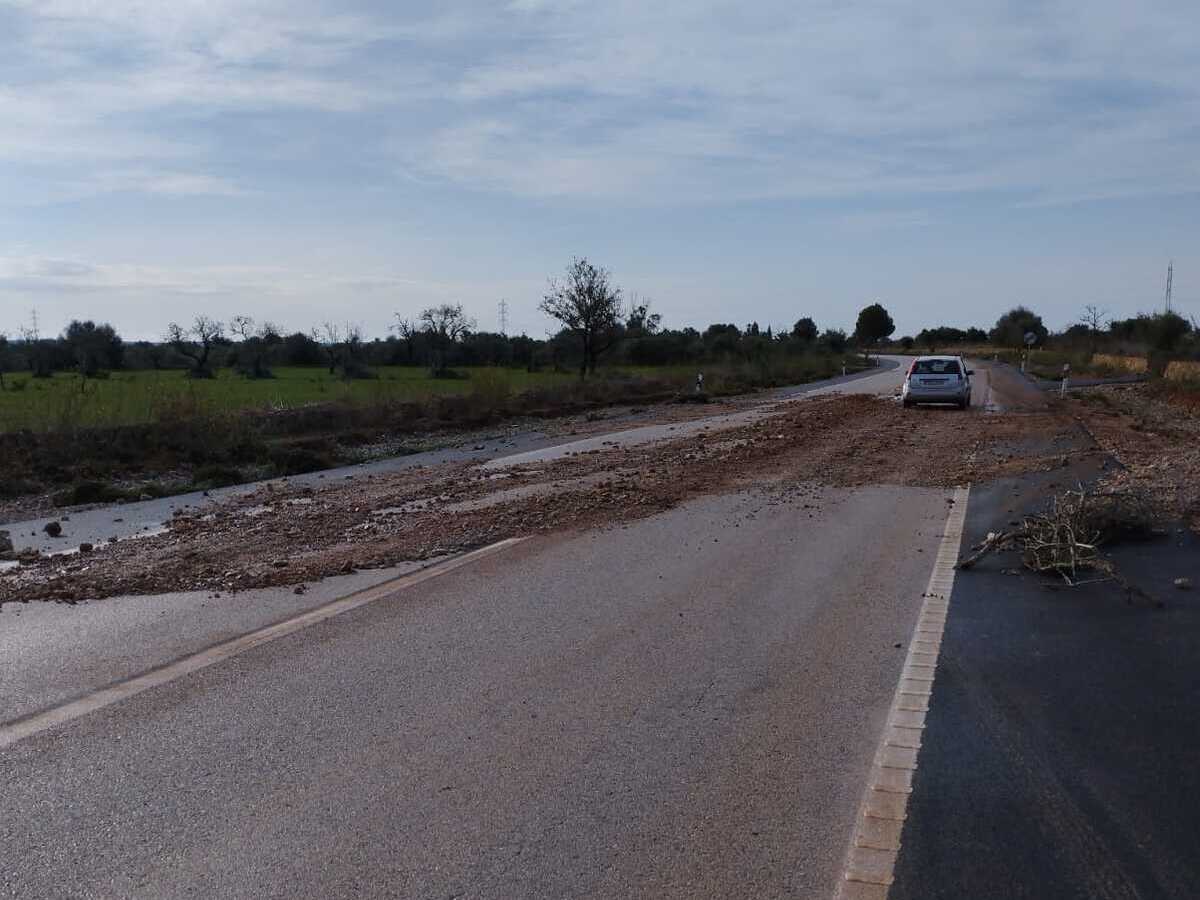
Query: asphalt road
column 1059, row 759
column 683, row 707
column 687, row 706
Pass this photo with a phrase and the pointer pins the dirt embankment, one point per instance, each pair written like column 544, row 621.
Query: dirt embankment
column 287, row 535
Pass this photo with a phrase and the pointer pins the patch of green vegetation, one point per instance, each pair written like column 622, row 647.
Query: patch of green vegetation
column 66, row 402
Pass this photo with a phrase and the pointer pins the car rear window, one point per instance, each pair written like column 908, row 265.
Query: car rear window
column 937, row 367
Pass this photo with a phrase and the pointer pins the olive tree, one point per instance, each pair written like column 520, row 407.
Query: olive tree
column 195, row 343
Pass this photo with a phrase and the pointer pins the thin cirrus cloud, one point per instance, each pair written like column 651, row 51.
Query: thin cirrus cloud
column 872, row 112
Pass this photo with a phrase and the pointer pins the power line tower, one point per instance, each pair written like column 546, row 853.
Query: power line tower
column 504, row 317
column 1170, row 278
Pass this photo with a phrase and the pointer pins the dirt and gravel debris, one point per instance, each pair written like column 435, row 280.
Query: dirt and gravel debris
column 1155, row 442
column 284, row 534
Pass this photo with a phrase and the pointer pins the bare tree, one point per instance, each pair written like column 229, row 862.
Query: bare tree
column 406, row 330
column 587, row 304
column 3, row 356
column 343, row 345
column 1093, row 317
column 196, row 343
column 255, row 345
column 242, row 326
column 445, row 325
column 330, row 339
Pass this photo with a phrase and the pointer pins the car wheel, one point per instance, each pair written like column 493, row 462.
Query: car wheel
column 908, row 404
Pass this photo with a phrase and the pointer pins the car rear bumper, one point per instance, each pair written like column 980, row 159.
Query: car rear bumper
column 927, row 395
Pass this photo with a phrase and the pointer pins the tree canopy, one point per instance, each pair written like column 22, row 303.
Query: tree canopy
column 874, row 324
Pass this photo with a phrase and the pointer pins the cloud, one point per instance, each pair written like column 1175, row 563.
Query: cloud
column 675, row 102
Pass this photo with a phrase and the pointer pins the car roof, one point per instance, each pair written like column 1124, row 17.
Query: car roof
column 922, row 358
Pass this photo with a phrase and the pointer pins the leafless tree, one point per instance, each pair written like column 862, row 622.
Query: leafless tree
column 3, row 356
column 243, row 326
column 1093, row 317
column 445, row 325
column 343, row 345
column 196, row 343
column 329, row 336
column 407, row 331
column 255, row 345
column 587, row 304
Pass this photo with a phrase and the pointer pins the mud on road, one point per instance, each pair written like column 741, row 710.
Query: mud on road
column 287, row 535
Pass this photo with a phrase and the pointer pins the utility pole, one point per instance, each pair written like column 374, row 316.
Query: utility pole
column 1170, row 278
column 504, row 317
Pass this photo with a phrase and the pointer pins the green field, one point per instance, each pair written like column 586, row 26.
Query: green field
column 67, row 402
column 125, row 398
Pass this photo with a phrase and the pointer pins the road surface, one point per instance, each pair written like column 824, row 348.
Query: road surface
column 686, row 706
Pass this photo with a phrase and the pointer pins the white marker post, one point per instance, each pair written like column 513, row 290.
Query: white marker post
column 1066, row 378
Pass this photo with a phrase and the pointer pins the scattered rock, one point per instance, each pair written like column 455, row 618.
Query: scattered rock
column 280, row 564
column 54, row 529
column 86, row 547
column 6, row 546
column 300, row 589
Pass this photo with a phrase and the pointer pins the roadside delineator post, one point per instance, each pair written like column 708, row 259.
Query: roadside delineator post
column 1066, row 378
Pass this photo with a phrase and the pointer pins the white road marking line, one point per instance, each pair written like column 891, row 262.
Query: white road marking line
column 876, row 844
column 19, row 729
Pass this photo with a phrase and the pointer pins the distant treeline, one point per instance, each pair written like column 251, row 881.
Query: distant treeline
column 90, row 349
column 444, row 337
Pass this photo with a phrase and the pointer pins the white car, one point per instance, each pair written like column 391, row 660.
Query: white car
column 937, row 379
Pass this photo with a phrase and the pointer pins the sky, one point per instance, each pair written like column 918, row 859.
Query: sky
column 304, row 161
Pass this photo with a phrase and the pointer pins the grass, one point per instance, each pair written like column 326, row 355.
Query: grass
column 136, row 398
column 67, row 403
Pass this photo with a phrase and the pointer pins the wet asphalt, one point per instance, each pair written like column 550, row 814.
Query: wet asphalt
column 1060, row 757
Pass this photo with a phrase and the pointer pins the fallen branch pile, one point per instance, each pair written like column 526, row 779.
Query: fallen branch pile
column 1066, row 539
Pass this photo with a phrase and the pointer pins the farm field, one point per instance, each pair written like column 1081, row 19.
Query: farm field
column 130, row 398
column 66, row 402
